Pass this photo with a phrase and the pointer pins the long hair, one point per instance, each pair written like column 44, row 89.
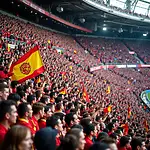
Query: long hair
column 14, row 137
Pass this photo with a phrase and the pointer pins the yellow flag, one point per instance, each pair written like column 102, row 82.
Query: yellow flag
column 108, row 90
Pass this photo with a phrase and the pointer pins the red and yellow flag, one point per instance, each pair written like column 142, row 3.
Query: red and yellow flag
column 146, row 126
column 63, row 91
column 38, row 80
column 85, row 94
column 8, row 47
column 108, row 90
column 108, row 109
column 126, row 128
column 28, row 66
column 129, row 111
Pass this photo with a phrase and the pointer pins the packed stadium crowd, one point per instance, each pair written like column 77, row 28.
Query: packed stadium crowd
column 67, row 107
column 138, row 46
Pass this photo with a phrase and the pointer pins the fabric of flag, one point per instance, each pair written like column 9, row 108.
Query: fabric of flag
column 85, row 94
column 28, row 66
column 8, row 47
column 63, row 91
column 126, row 128
column 108, row 109
column 129, row 82
column 108, row 90
column 129, row 112
column 63, row 74
column 75, row 52
column 146, row 126
column 38, row 80
column 70, row 67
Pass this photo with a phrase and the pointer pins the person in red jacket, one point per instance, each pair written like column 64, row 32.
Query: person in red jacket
column 8, row 116
column 48, row 113
column 25, row 113
column 89, row 131
column 38, row 113
column 124, row 143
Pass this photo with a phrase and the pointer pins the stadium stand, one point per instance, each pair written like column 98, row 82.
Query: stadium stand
column 67, row 106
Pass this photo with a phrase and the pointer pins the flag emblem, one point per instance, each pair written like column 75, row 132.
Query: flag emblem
column 25, row 68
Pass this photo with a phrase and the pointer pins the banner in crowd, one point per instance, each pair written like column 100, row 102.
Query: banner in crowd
column 105, row 67
column 145, row 96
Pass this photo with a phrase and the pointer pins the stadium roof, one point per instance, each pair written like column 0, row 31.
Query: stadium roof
column 78, row 12
column 138, row 6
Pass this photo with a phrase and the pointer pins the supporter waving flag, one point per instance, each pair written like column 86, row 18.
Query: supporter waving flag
column 146, row 126
column 63, row 91
column 85, row 94
column 129, row 111
column 28, row 66
column 108, row 90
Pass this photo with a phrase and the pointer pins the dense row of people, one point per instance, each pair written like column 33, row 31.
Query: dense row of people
column 50, row 111
column 141, row 48
column 108, row 51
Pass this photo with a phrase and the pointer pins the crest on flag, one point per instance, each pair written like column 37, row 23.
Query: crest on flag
column 25, row 68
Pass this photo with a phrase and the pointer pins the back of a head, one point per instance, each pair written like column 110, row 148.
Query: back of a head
column 99, row 146
column 124, row 140
column 89, row 128
column 135, row 142
column 101, row 136
column 70, row 142
column 52, row 121
column 110, row 142
column 77, row 126
column 45, row 139
column 76, row 132
column 30, row 98
column 14, row 96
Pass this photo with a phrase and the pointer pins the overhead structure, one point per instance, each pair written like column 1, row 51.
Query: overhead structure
column 137, row 6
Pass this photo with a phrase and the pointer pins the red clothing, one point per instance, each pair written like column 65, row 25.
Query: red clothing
column 129, row 148
column 42, row 123
column 122, row 148
column 58, row 142
column 3, row 75
column 67, row 111
column 14, row 90
column 88, row 143
column 3, row 132
column 34, row 123
column 110, row 132
column 27, row 124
